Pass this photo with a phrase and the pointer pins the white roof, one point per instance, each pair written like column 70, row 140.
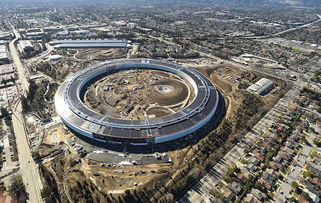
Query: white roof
column 53, row 57
column 3, row 52
column 260, row 86
column 263, row 81
column 3, row 49
column 25, row 43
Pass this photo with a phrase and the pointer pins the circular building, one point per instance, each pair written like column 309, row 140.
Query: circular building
column 136, row 102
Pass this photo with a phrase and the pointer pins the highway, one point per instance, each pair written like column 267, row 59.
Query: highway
column 284, row 31
column 299, row 27
column 28, row 168
column 282, row 76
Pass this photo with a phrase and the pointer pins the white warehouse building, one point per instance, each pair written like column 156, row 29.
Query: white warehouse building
column 262, row 87
column 25, row 46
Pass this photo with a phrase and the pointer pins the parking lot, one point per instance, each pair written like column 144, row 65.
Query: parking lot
column 9, row 160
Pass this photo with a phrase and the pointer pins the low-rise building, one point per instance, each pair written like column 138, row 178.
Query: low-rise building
column 268, row 180
column 251, row 199
column 62, row 34
column 262, row 87
column 25, row 46
column 34, row 35
column 311, row 189
column 105, row 43
column 228, row 194
column 55, row 57
column 51, row 29
column 235, row 187
column 7, row 80
column 316, row 169
column 258, row 194
column 6, row 35
column 6, row 69
column 4, row 55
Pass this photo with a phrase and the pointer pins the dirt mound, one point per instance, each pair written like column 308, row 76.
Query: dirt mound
column 158, row 111
column 178, row 94
column 129, row 94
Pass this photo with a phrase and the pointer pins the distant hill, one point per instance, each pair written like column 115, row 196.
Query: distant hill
column 302, row 2
column 312, row 3
column 261, row 2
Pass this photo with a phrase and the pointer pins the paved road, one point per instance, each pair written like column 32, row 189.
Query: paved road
column 17, row 62
column 284, row 31
column 293, row 175
column 201, row 191
column 42, row 55
column 281, row 76
column 299, row 27
column 28, row 169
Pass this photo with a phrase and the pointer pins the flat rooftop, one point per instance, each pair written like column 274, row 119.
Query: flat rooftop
column 92, row 45
column 78, row 41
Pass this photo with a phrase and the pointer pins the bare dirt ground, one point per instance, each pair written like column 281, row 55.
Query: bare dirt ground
column 108, row 177
column 72, row 61
column 131, row 94
column 114, row 179
column 6, row 198
column 210, row 69
column 56, row 138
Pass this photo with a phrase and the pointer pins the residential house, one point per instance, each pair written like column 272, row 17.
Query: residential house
column 258, row 194
column 268, row 180
column 235, row 187
column 251, row 199
column 228, row 195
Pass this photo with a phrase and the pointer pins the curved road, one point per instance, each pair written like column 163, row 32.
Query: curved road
column 43, row 55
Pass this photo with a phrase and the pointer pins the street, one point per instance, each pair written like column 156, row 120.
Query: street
column 28, row 168
column 201, row 191
column 17, row 62
column 293, row 175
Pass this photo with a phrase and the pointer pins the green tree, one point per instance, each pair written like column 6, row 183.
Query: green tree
column 48, row 194
column 294, row 185
column 4, row 112
column 18, row 189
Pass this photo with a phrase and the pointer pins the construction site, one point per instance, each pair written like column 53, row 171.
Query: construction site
column 138, row 90
column 139, row 94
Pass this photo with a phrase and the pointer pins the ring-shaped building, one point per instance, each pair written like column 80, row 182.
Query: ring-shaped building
column 103, row 128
